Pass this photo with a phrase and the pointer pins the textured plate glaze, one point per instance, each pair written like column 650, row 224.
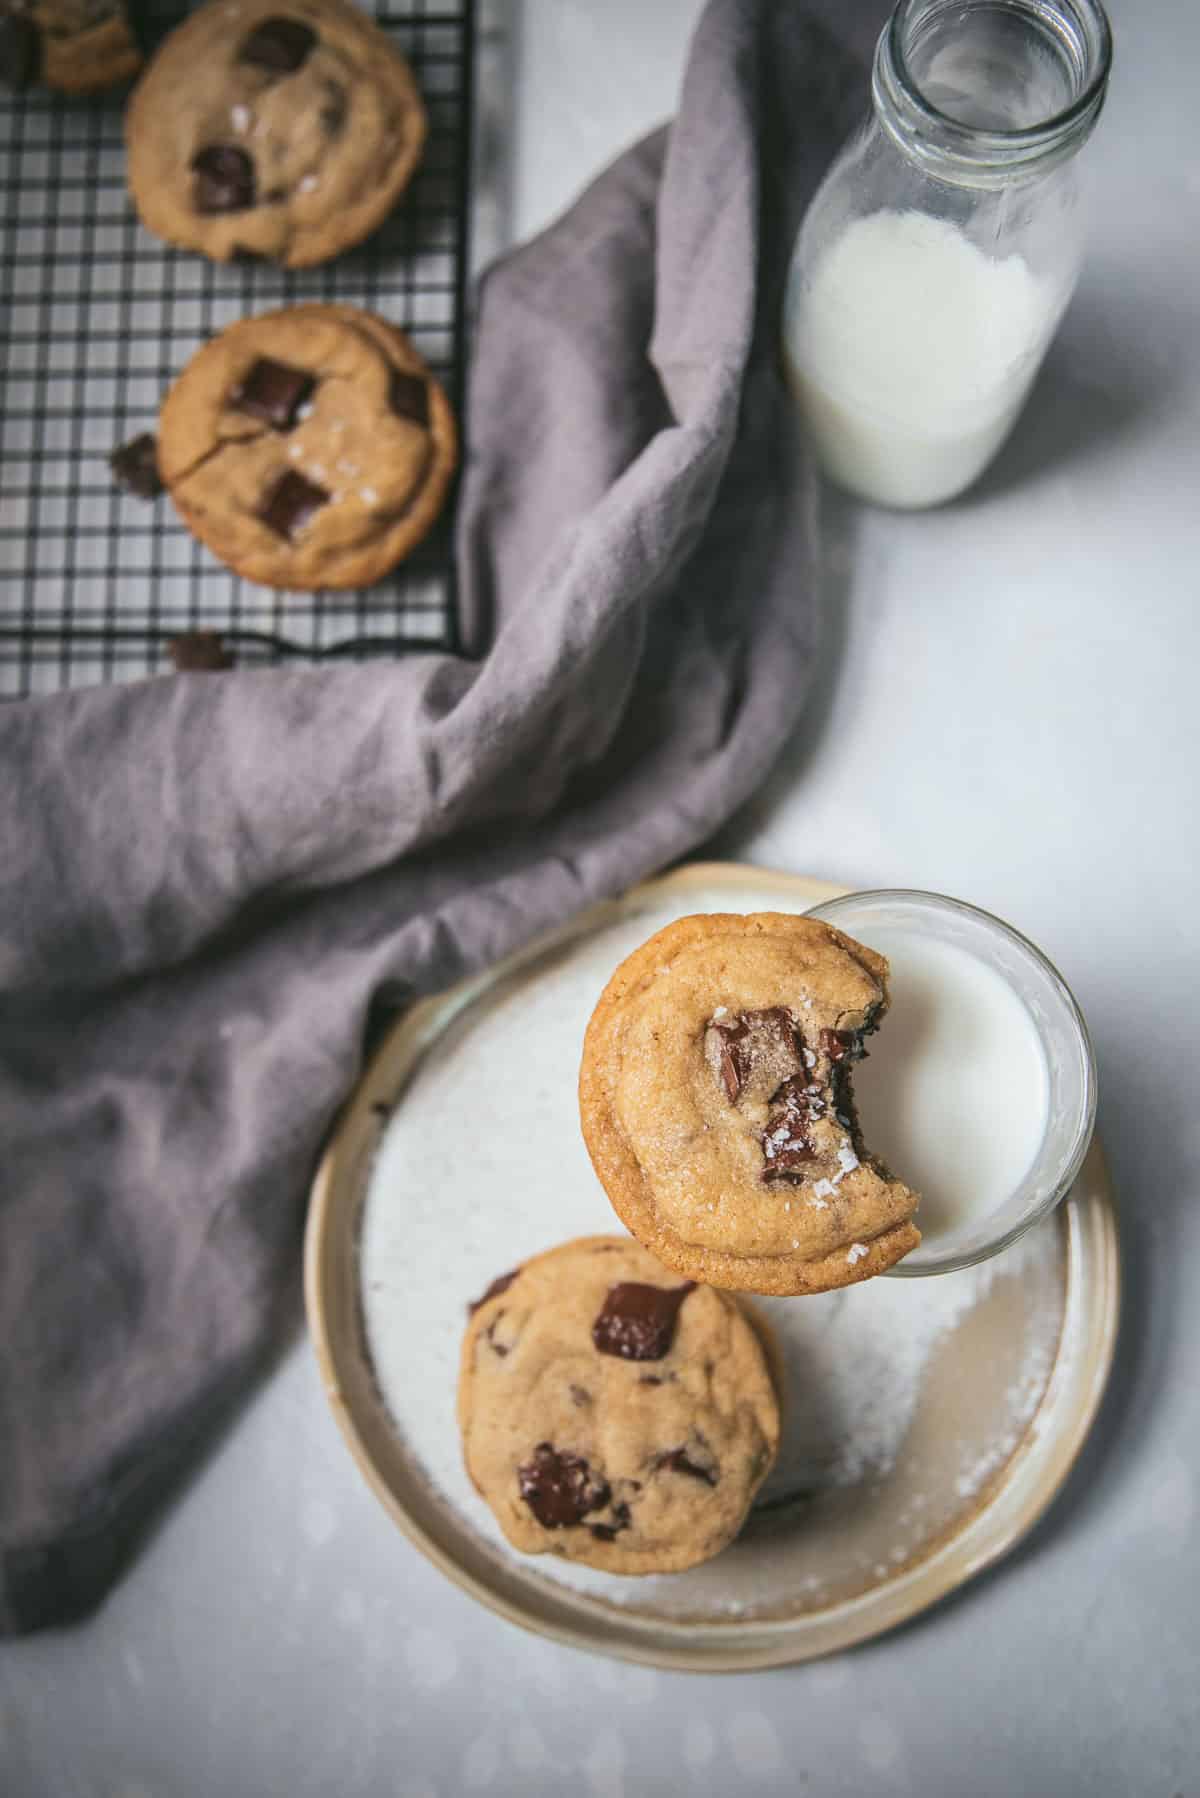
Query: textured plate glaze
column 928, row 1424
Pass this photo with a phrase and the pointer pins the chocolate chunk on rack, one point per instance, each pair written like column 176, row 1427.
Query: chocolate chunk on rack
column 135, row 466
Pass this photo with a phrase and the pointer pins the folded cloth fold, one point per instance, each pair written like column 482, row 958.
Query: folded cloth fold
column 208, row 881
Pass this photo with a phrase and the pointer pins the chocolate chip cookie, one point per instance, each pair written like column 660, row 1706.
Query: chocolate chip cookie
column 76, row 46
column 613, row 1414
column 717, row 1106
column 286, row 131
column 309, row 447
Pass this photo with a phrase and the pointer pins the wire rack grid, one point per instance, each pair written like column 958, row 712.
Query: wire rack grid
column 96, row 319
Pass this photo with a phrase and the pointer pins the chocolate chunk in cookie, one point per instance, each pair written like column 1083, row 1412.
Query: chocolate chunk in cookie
column 756, row 1050
column 559, row 1488
column 274, row 392
column 608, row 1532
column 637, row 1322
column 278, row 44
column 291, row 504
column 788, row 1143
column 677, row 1460
column 335, row 105
column 223, row 179
column 408, row 396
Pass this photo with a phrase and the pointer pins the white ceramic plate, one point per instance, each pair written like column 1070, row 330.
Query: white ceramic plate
column 928, row 1423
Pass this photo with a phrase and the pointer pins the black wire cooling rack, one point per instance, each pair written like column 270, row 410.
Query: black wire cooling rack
column 96, row 319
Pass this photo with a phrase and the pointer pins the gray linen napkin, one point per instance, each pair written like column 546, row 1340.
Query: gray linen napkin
column 209, row 884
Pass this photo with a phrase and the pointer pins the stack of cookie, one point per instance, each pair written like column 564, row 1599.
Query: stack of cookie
column 310, row 447
column 619, row 1406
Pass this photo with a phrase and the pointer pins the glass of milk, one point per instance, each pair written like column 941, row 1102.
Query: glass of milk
column 980, row 1089
column 939, row 253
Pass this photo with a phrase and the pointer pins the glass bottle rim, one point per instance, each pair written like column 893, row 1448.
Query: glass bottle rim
column 959, row 152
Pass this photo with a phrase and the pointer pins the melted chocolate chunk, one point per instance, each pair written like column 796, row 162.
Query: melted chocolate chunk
column 408, row 397
column 678, row 1461
column 608, row 1532
column 279, row 45
column 223, row 180
column 291, row 504
column 766, row 1040
column 199, row 652
column 500, row 1284
column 839, row 1045
column 273, row 392
column 20, row 51
column 637, row 1322
column 787, row 1144
column 135, row 466
column 559, row 1488
column 497, row 1348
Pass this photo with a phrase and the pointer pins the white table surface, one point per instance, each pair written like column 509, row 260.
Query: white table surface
column 1007, row 712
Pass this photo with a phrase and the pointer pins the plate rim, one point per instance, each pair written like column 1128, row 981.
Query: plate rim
column 731, row 1645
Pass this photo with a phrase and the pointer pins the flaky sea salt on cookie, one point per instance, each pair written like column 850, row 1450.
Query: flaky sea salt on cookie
column 717, row 1106
column 612, row 1414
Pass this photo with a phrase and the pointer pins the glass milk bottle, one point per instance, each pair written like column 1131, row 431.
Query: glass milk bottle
column 939, row 253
